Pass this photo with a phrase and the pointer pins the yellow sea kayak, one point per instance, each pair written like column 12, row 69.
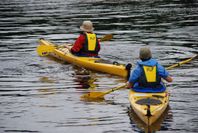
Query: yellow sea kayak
column 149, row 106
column 96, row 64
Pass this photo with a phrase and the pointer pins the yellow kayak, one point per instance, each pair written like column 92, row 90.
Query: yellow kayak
column 148, row 128
column 149, row 106
column 92, row 63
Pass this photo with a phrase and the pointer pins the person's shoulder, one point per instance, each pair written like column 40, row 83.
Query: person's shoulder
column 150, row 62
column 82, row 35
column 153, row 60
column 138, row 64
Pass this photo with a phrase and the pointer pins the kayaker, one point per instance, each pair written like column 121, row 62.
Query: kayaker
column 87, row 43
column 147, row 75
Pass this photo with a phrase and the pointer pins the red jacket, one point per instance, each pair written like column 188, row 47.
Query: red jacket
column 80, row 41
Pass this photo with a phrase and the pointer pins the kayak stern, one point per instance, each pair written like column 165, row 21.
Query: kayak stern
column 149, row 106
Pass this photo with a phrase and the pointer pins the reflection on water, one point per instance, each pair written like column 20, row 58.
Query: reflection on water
column 41, row 94
column 85, row 78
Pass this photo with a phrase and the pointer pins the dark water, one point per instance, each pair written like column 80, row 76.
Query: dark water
column 40, row 94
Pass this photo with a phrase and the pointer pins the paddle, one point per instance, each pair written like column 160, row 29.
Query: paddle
column 106, row 38
column 44, row 50
column 100, row 95
column 182, row 62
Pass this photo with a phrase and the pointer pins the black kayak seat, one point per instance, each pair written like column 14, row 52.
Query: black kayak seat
column 149, row 101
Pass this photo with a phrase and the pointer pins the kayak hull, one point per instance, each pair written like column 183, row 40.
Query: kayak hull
column 149, row 106
column 91, row 63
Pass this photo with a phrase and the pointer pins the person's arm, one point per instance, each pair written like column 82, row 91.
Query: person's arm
column 164, row 73
column 98, row 45
column 67, row 46
column 134, row 76
column 169, row 79
column 78, row 44
column 129, row 85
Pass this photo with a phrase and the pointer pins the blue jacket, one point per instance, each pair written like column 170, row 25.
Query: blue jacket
column 136, row 73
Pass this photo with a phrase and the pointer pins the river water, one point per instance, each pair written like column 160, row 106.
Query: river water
column 42, row 95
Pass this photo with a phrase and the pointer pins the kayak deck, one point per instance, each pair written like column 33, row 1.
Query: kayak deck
column 91, row 63
column 148, row 106
column 156, row 126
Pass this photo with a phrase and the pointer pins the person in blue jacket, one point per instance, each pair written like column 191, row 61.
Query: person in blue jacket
column 147, row 75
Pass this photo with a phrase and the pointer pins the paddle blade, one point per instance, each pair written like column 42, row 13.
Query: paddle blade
column 100, row 95
column 93, row 95
column 44, row 50
column 106, row 37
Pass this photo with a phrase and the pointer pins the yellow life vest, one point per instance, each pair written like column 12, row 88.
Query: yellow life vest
column 91, row 37
column 150, row 73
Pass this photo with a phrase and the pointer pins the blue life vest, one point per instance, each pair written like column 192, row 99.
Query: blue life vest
column 149, row 80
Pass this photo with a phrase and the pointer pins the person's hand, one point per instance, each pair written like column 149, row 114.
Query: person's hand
column 68, row 46
column 129, row 85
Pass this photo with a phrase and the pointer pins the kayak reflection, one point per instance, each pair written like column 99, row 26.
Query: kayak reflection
column 84, row 78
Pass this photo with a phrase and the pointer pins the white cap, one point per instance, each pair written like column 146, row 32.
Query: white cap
column 87, row 26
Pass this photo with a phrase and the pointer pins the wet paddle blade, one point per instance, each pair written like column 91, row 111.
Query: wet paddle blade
column 44, row 50
column 106, row 37
column 100, row 95
column 93, row 95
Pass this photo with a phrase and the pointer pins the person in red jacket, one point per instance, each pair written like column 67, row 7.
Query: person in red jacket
column 87, row 43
